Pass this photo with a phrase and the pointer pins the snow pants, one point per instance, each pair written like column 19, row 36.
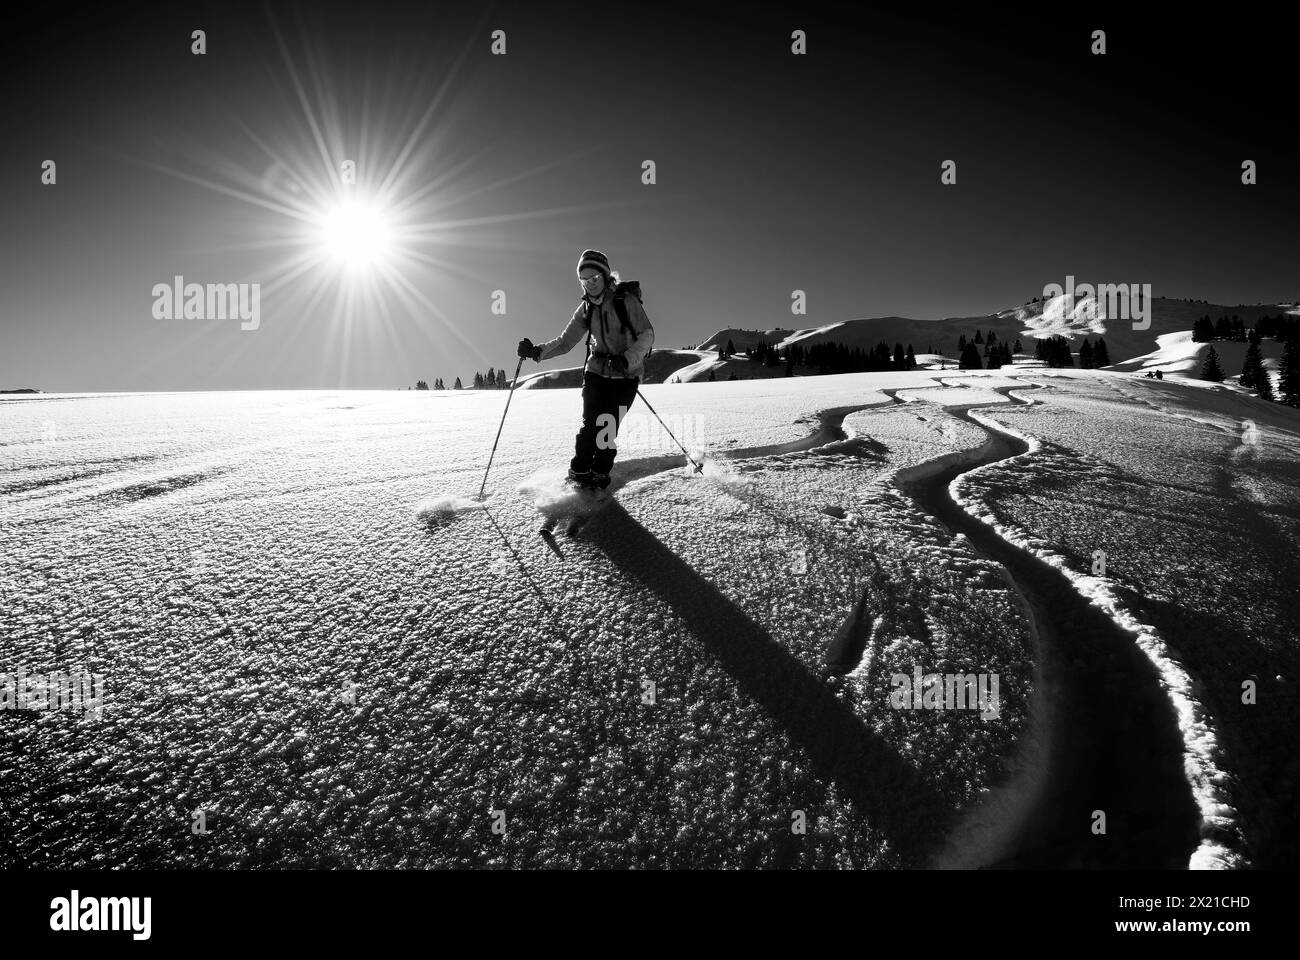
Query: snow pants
column 593, row 447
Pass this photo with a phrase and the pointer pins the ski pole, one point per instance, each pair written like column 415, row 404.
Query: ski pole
column 519, row 366
column 699, row 468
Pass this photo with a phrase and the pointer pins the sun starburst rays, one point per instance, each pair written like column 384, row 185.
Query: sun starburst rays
column 347, row 203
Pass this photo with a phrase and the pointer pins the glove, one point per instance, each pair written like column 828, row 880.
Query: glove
column 526, row 349
column 619, row 363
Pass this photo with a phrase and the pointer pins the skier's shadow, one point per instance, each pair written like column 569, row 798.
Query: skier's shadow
column 843, row 749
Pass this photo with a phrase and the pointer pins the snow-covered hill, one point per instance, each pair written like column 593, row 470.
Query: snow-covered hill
column 743, row 340
column 1025, row 323
column 1177, row 355
column 1088, row 319
column 853, row 333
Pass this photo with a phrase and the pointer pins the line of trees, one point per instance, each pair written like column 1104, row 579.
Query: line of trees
column 1054, row 351
column 988, row 343
column 1281, row 326
column 492, row 380
column 824, row 358
column 1204, row 329
column 1093, row 358
column 1254, row 376
column 829, row 358
column 764, row 353
column 995, row 353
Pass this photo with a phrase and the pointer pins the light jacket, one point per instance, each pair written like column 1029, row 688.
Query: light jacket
column 609, row 338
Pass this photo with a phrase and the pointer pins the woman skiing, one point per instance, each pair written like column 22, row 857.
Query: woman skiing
column 618, row 341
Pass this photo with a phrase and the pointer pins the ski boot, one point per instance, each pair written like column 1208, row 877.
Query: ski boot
column 579, row 480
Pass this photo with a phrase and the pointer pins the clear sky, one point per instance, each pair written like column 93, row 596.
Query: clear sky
column 478, row 172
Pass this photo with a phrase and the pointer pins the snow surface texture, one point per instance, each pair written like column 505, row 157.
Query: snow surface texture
column 312, row 631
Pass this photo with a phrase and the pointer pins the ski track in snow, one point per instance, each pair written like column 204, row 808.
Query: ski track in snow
column 1202, row 753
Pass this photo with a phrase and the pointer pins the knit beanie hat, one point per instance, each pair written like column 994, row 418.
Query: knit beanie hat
column 594, row 258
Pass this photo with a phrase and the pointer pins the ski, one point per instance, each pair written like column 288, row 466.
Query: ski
column 547, row 532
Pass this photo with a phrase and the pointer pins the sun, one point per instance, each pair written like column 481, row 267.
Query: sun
column 356, row 235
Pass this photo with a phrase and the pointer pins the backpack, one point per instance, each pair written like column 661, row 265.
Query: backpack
column 621, row 289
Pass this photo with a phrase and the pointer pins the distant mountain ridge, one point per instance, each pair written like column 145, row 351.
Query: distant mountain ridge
column 1024, row 323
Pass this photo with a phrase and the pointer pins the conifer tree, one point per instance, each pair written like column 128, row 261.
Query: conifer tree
column 1100, row 355
column 1085, row 355
column 1264, row 386
column 1211, row 370
column 1289, row 382
column 1056, row 350
column 1252, row 370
